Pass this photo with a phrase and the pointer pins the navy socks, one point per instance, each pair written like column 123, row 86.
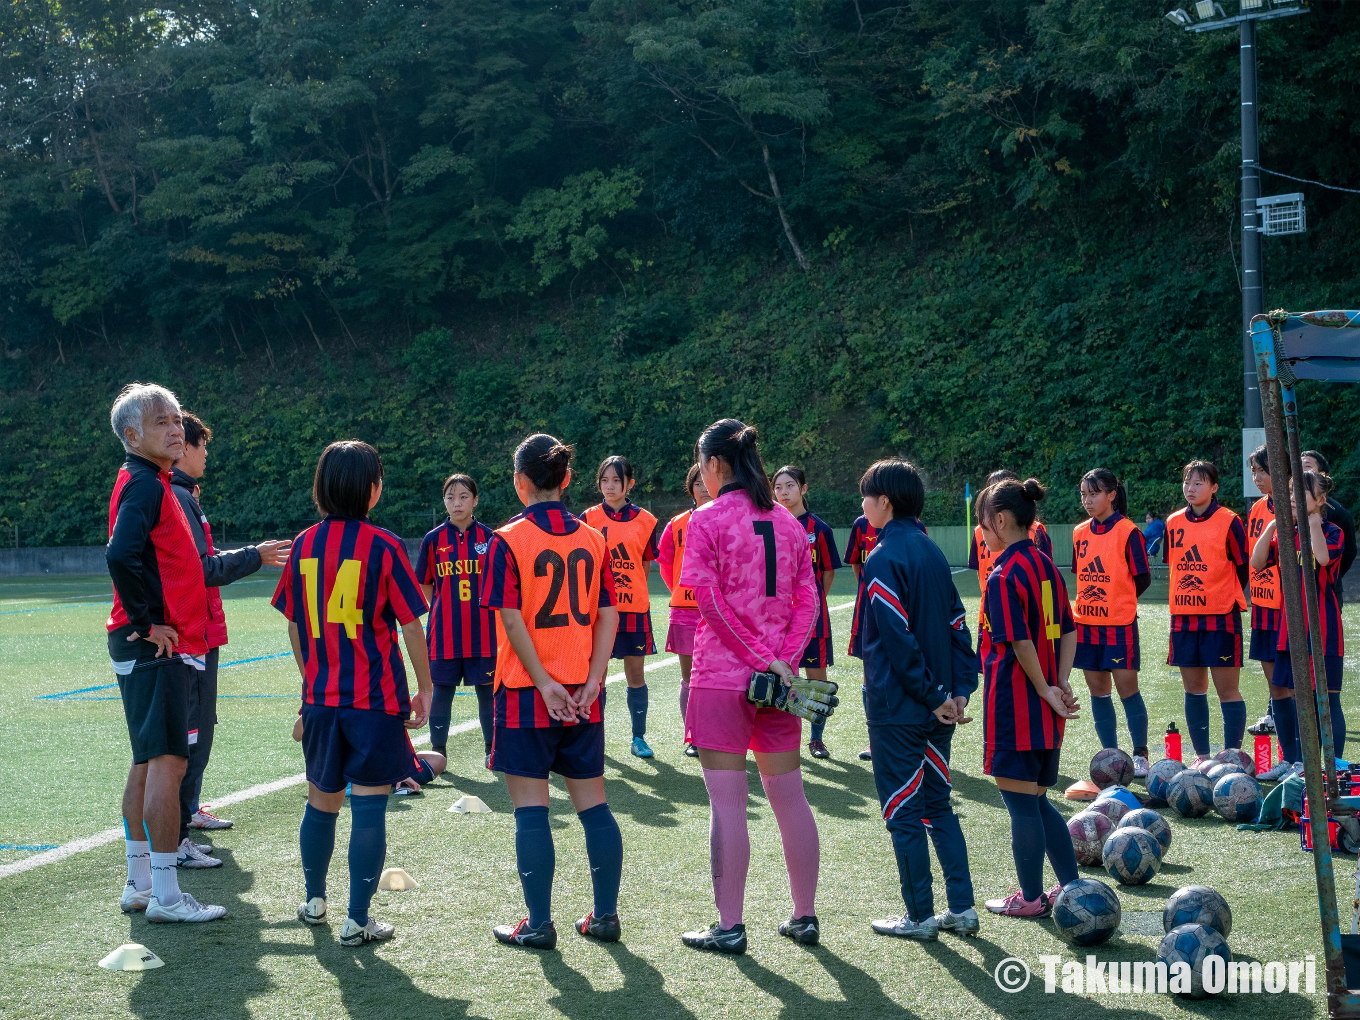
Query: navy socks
column 1338, row 723
column 637, row 708
column 1058, row 842
column 1234, row 722
column 1197, row 722
column 1287, row 727
column 367, row 849
column 441, row 708
column 485, row 708
column 1028, row 840
column 818, row 728
column 536, row 859
column 1102, row 714
column 604, row 848
column 1135, row 714
column 316, row 836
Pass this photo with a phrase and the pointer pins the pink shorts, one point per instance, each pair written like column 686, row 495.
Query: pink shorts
column 723, row 720
column 680, row 638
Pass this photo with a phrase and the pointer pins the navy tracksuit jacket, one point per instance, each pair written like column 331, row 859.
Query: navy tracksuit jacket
column 917, row 653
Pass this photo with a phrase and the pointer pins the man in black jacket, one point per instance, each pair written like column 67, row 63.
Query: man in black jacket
column 1336, row 513
column 218, row 569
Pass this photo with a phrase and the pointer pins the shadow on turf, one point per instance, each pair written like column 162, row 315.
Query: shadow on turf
column 642, row 983
column 223, row 961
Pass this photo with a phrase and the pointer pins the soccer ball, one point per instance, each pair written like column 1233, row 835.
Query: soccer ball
column 1131, row 856
column 1192, row 943
column 1197, row 904
column 1235, row 755
column 1111, row 807
column 1152, row 823
column 1089, row 830
column 1191, row 794
column 1111, row 767
column 1238, row 797
column 1224, row 768
column 1160, row 775
column 1207, row 764
column 1086, row 912
column 1123, row 793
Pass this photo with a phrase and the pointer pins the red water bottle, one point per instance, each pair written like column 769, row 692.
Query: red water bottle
column 1173, row 741
column 1262, row 751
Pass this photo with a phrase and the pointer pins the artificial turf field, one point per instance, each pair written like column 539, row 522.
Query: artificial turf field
column 63, row 762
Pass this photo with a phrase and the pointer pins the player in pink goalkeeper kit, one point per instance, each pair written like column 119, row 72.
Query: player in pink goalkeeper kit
column 747, row 561
column 752, row 576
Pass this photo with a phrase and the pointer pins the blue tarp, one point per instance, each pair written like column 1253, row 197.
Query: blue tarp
column 1323, row 345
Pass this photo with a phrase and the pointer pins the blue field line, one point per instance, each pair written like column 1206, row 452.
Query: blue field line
column 67, row 694
column 34, row 847
column 258, row 658
column 48, row 609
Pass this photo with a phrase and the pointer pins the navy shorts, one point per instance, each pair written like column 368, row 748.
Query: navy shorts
column 353, row 745
column 1284, row 671
column 469, row 671
column 1263, row 644
column 156, row 706
column 1210, row 648
column 573, row 752
column 637, row 640
column 1119, row 651
column 1039, row 766
column 817, row 655
column 421, row 771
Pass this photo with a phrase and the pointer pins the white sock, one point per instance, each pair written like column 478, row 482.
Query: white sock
column 165, row 877
column 139, row 863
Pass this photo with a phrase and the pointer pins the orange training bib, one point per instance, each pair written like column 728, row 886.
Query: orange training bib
column 1106, row 596
column 681, row 597
column 627, row 542
column 1203, row 579
column 1265, row 584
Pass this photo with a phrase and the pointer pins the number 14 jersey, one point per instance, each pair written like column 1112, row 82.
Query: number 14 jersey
column 349, row 587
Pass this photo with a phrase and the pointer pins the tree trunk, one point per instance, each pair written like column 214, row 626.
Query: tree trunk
column 779, row 204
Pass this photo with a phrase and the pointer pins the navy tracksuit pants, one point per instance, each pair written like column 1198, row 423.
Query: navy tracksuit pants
column 911, row 773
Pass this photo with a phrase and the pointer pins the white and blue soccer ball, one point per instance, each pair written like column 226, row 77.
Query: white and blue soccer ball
column 1089, row 831
column 1238, row 797
column 1086, row 912
column 1197, row 904
column 1190, row 794
column 1160, row 775
column 1193, row 944
column 1152, row 823
column 1131, row 856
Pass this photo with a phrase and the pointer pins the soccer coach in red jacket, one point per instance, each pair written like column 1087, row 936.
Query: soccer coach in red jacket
column 157, row 634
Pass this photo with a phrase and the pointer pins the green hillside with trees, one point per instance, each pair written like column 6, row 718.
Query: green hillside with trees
column 972, row 232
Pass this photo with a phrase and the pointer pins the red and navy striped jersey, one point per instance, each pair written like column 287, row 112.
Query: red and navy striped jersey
column 1026, row 600
column 1329, row 606
column 522, row 708
column 860, row 544
column 349, row 588
column 1238, row 554
column 825, row 556
column 1037, row 532
column 453, row 561
column 1136, row 562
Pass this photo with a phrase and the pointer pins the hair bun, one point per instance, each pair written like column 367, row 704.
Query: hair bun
column 746, row 437
column 1033, row 491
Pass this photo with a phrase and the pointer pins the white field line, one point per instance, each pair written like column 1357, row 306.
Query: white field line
column 80, row 846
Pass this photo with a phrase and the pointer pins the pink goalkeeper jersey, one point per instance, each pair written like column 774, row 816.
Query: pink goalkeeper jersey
column 752, row 575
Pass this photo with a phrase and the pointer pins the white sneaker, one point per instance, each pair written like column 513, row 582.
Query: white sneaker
column 313, row 911
column 202, row 819
column 1140, row 767
column 375, row 931
column 1276, row 772
column 133, row 899
column 191, row 856
column 203, row 848
column 187, row 909
column 1296, row 769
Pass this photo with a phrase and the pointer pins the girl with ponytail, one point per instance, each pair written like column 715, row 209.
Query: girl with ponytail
column 747, row 562
column 1025, row 690
column 1110, row 560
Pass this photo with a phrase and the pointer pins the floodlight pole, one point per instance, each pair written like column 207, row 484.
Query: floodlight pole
column 1252, row 282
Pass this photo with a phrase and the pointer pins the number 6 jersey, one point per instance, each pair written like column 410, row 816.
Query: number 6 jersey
column 555, row 570
column 454, row 563
column 349, row 588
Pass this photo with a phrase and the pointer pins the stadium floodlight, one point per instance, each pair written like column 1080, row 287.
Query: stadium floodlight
column 1208, row 10
column 1251, row 5
column 1282, row 214
column 1179, row 17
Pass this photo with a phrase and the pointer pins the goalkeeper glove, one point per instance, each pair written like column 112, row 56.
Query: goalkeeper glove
column 809, row 699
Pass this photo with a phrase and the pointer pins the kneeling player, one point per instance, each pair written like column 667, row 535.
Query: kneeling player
column 551, row 581
column 1029, row 656
column 919, row 670
column 346, row 589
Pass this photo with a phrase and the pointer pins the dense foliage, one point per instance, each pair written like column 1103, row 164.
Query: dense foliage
column 977, row 233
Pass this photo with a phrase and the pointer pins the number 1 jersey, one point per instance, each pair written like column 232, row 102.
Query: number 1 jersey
column 349, row 587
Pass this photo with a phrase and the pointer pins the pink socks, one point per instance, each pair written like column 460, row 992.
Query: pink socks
column 729, row 844
column 798, row 833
